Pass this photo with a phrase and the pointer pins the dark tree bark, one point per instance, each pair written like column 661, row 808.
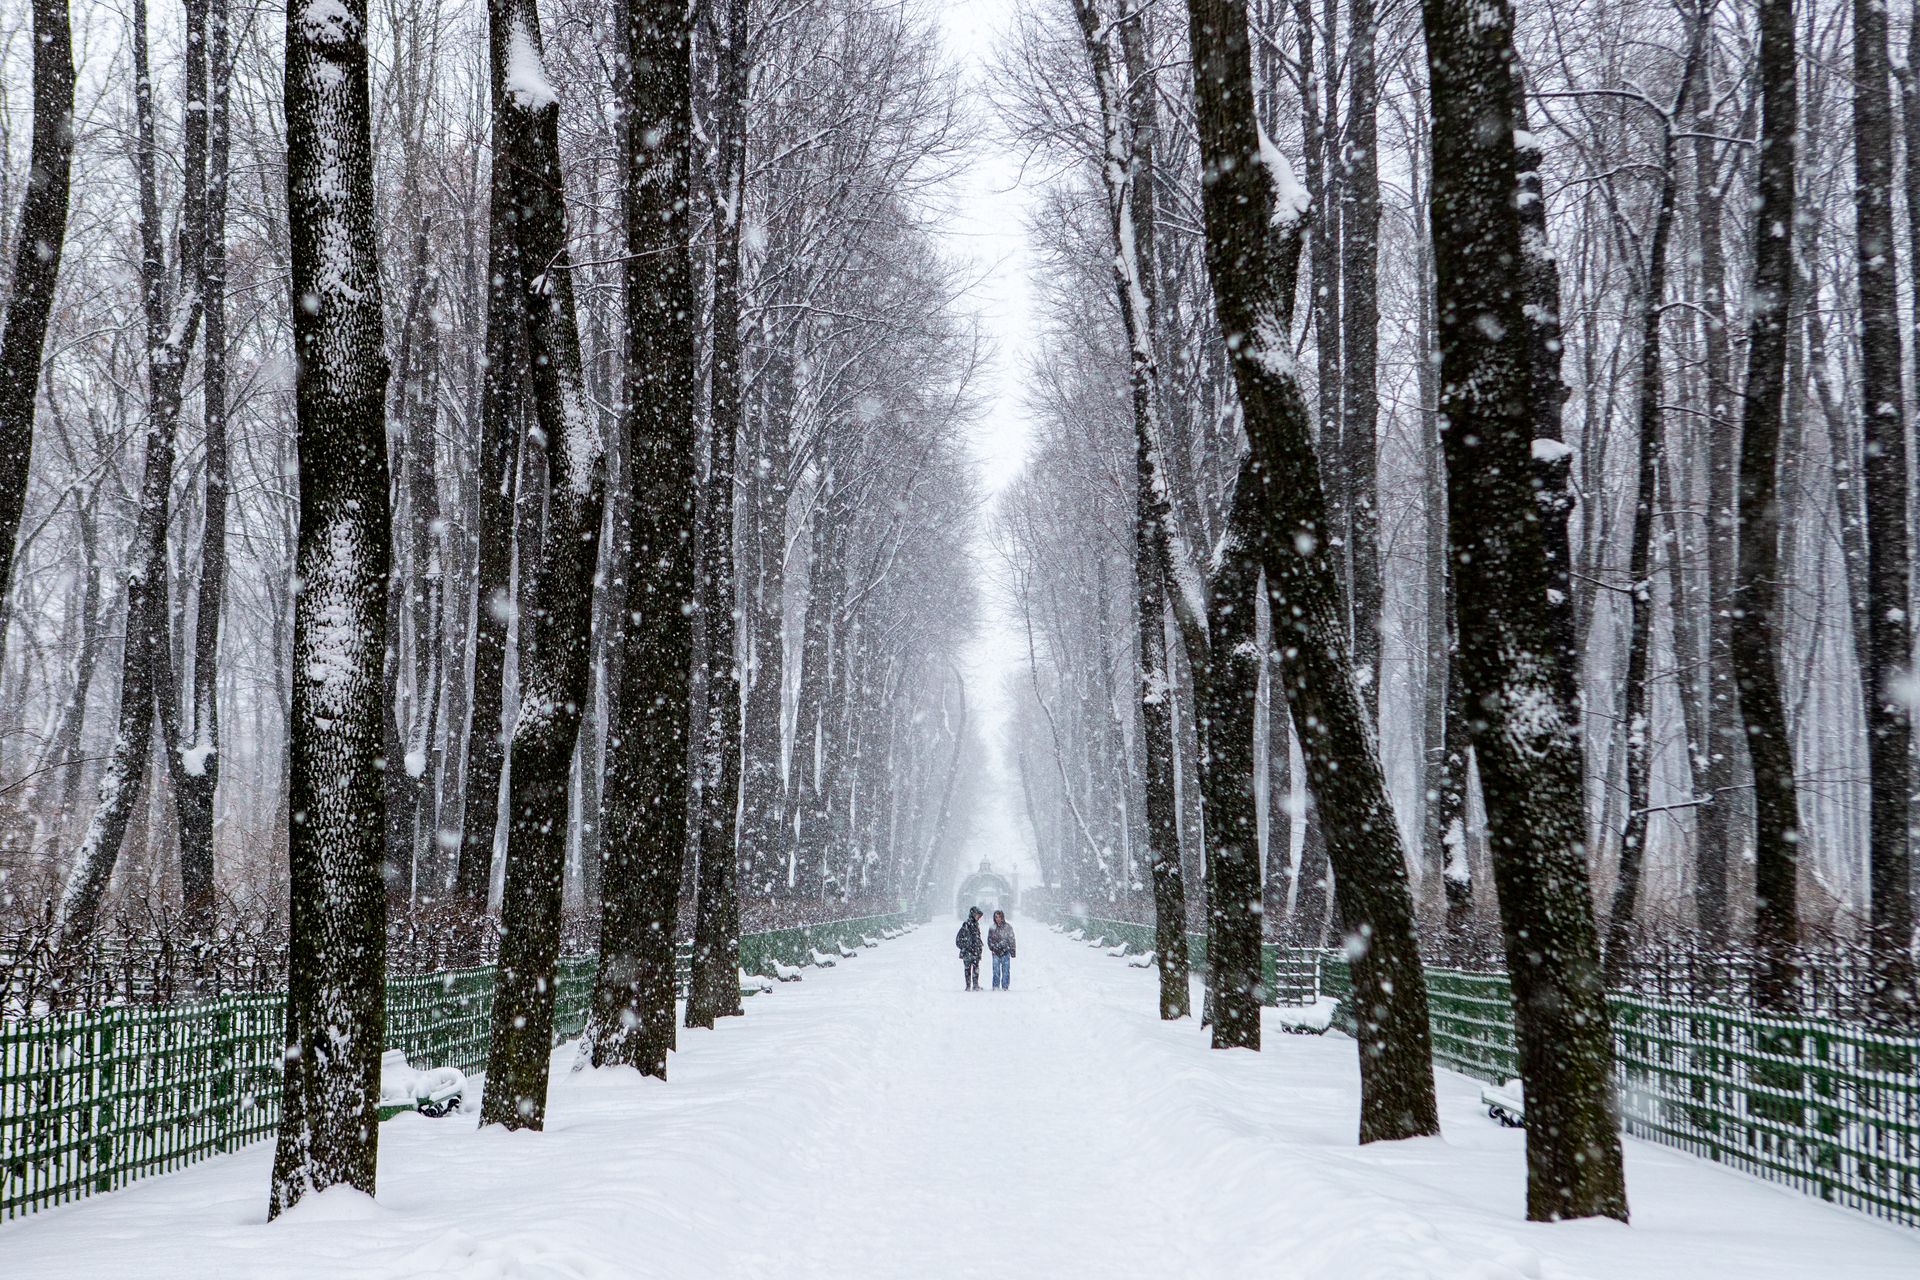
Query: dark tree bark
column 188, row 731
column 714, row 989
column 645, row 804
column 503, row 412
column 1894, row 1001
column 1359, row 342
column 1650, row 466
column 1156, row 731
column 1552, row 466
column 1158, row 564
column 1280, row 804
column 426, row 541
column 1726, row 745
column 1511, row 667
column 764, row 844
column 1234, row 971
column 200, row 778
column 555, row 678
column 336, row 955
column 36, row 266
column 403, row 788
column 1323, row 259
column 1758, row 611
column 1253, row 215
column 1456, row 872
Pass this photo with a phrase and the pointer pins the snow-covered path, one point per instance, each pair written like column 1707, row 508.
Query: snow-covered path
column 876, row 1121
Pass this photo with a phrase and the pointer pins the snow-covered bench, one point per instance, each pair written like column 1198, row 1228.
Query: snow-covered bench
column 435, row 1091
column 1506, row 1103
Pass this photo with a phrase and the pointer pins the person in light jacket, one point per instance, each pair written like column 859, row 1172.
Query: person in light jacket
column 1000, row 942
column 968, row 940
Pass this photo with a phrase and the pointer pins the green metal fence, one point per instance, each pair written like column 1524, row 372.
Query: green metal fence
column 1290, row 975
column 1827, row 1107
column 91, row 1101
column 759, row 952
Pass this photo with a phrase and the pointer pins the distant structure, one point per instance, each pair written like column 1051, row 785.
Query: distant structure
column 988, row 890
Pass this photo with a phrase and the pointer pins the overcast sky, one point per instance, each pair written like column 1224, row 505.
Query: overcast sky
column 987, row 226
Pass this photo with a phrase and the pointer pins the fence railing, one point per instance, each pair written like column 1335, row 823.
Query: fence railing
column 91, row 1101
column 1830, row 1108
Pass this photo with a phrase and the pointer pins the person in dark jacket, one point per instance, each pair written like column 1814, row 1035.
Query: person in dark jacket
column 968, row 940
column 1000, row 942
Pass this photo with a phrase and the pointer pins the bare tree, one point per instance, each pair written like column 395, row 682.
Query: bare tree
column 36, row 266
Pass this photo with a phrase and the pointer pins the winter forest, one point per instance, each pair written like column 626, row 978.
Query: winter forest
column 527, row 527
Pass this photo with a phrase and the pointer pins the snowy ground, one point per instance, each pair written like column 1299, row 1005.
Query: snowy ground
column 876, row 1121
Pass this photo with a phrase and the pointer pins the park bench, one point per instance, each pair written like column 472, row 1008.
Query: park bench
column 436, row 1091
column 1506, row 1103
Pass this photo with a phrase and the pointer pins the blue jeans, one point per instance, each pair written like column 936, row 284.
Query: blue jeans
column 1002, row 973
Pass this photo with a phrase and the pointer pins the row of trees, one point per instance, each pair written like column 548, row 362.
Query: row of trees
column 588, row 526
column 1554, row 563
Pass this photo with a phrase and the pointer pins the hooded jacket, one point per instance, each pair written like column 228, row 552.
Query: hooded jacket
column 1000, row 939
column 968, row 939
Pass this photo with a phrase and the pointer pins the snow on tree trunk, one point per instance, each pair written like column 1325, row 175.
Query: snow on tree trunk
column 198, row 780
column 1253, row 210
column 1359, row 314
column 508, row 377
column 1886, row 666
column 555, row 677
column 1162, row 562
column 714, row 984
column 1759, row 612
column 1726, row 743
column 36, row 265
column 1650, row 466
column 336, row 957
column 644, row 809
column 1511, row 667
column 1234, row 967
column 186, row 761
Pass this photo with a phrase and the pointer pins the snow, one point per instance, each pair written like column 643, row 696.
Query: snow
column 878, row 1121
column 1548, row 450
column 1309, row 1019
column 1290, row 199
column 526, row 77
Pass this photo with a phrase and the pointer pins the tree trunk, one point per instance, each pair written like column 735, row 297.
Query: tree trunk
column 1159, row 562
column 1359, row 343
column 714, row 989
column 36, row 266
column 1650, row 466
column 555, row 678
column 1253, row 210
column 189, row 733
column 1726, row 744
column 1759, row 618
column 1234, row 970
column 503, row 413
column 200, row 780
column 1884, row 667
column 646, row 790
column 336, row 954
column 1512, row 666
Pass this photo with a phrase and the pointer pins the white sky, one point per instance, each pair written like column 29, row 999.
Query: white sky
column 987, row 226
